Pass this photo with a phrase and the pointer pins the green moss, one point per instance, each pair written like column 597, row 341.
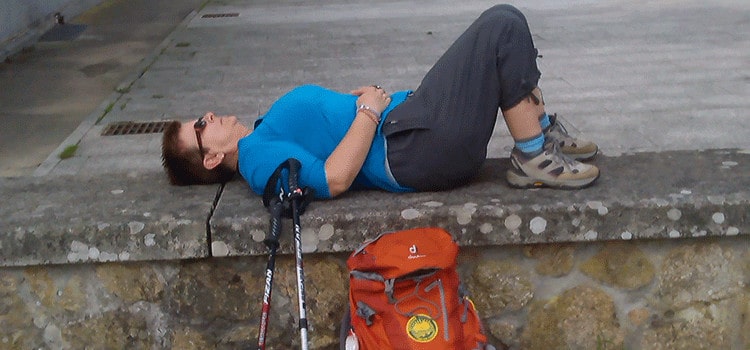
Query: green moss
column 68, row 152
column 200, row 8
column 106, row 111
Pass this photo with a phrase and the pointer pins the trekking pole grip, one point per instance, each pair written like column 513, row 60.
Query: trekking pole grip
column 274, row 192
column 294, row 166
column 276, row 208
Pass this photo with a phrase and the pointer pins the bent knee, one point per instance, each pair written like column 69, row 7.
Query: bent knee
column 505, row 13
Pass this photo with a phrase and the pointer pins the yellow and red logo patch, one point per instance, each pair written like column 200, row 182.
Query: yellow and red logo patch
column 421, row 328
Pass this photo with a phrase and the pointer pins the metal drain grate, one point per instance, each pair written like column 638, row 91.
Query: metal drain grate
column 134, row 128
column 63, row 32
column 220, row 15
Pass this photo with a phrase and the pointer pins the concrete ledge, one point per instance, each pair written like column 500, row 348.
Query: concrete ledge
column 55, row 220
column 128, row 217
column 641, row 196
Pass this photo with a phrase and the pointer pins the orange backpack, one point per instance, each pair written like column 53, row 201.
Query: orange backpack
column 405, row 293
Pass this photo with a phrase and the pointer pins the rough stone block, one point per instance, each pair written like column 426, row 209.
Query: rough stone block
column 108, row 217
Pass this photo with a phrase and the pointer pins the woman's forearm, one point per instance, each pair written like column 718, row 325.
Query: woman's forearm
column 346, row 160
column 343, row 165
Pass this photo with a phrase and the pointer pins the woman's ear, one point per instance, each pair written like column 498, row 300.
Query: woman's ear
column 213, row 160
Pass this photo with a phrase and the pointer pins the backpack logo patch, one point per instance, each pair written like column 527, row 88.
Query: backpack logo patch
column 421, row 328
column 413, row 252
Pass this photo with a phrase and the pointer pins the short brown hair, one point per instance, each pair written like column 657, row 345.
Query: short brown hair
column 184, row 166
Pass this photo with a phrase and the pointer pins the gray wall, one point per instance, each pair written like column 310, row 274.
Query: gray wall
column 22, row 22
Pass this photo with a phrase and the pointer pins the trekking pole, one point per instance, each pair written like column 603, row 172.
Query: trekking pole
column 297, row 195
column 272, row 242
column 275, row 205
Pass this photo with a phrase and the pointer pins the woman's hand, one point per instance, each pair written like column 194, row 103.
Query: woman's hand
column 373, row 96
column 345, row 162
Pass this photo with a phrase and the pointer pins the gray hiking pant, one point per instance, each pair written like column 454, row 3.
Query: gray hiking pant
column 437, row 139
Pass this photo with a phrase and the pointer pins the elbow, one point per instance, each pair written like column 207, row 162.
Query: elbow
column 336, row 188
column 339, row 178
column 338, row 185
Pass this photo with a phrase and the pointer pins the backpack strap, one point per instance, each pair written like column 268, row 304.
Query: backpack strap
column 463, row 293
column 439, row 284
column 366, row 312
column 372, row 276
column 366, row 243
column 389, row 283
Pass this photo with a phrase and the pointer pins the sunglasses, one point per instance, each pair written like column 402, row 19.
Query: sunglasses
column 199, row 125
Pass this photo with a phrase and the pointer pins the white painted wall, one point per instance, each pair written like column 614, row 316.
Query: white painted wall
column 22, row 22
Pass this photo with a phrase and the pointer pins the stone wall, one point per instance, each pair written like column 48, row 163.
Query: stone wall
column 660, row 294
column 152, row 266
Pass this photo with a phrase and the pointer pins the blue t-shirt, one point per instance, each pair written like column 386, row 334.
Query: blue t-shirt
column 308, row 123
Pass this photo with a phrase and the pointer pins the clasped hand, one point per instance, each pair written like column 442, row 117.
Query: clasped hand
column 373, row 96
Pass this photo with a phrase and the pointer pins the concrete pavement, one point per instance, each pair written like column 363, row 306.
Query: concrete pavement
column 50, row 88
column 631, row 75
